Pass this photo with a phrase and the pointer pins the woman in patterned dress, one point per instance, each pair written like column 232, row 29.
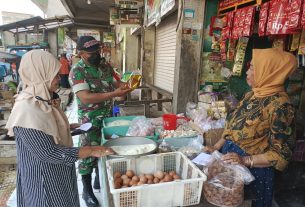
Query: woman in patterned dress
column 258, row 133
column 46, row 175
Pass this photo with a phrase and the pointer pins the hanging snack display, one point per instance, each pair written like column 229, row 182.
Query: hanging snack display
column 231, row 49
column 295, row 42
column 302, row 44
column 249, row 19
column 278, row 17
column 263, row 17
column 294, row 21
column 240, row 55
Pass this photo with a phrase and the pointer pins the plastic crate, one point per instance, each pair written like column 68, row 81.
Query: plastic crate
column 183, row 192
column 121, row 131
column 106, row 121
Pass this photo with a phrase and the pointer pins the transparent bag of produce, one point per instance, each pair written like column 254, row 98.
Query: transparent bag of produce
column 140, row 126
column 225, row 184
column 193, row 149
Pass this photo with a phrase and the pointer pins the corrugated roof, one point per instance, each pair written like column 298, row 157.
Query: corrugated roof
column 37, row 23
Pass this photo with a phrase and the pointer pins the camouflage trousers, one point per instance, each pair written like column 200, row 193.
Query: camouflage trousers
column 92, row 138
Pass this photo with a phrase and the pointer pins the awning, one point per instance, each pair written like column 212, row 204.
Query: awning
column 35, row 24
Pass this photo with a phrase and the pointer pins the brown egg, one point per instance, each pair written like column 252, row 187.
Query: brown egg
column 136, row 178
column 172, row 173
column 176, row 177
column 149, row 181
column 162, row 181
column 141, row 183
column 118, row 180
column 143, row 179
column 117, row 185
column 168, row 178
column 134, row 185
column 159, row 174
column 130, row 173
column 125, row 186
column 149, row 176
column 132, row 182
column 117, row 175
column 126, row 181
column 156, row 180
column 124, row 177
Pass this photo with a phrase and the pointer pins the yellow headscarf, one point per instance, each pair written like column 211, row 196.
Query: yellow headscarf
column 271, row 68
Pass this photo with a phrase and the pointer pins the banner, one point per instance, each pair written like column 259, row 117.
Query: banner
column 89, row 32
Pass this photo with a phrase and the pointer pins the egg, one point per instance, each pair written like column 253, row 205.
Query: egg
column 124, row 177
column 132, row 182
column 172, row 173
column 117, row 175
column 176, row 177
column 135, row 178
column 130, row 173
column 162, row 181
column 126, row 181
column 159, row 174
column 168, row 178
column 143, row 179
column 125, row 186
column 141, row 183
column 117, row 185
column 149, row 176
column 118, row 180
column 156, row 180
column 149, row 181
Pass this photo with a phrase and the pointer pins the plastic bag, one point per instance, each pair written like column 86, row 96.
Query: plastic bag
column 193, row 149
column 140, row 126
column 225, row 184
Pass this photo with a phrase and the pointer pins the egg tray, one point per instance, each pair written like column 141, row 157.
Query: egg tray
column 184, row 192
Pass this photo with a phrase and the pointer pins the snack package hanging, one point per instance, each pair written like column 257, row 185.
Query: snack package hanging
column 249, row 19
column 278, row 17
column 241, row 22
column 294, row 20
column 225, row 184
column 235, row 29
column 231, row 49
column 240, row 56
column 230, row 19
column 295, row 42
column 302, row 44
column 303, row 16
column 225, row 33
column 263, row 17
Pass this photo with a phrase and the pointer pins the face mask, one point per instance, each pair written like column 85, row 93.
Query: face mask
column 95, row 59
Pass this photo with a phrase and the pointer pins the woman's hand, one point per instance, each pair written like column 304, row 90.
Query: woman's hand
column 233, row 158
column 100, row 151
column 74, row 125
column 94, row 151
column 209, row 149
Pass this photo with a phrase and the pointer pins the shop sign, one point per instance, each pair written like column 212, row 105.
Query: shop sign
column 130, row 16
column 114, row 15
column 129, row 4
column 89, row 32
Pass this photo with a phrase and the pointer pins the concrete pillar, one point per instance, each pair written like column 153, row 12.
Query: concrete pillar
column 52, row 39
column 148, row 55
column 131, row 51
column 188, row 56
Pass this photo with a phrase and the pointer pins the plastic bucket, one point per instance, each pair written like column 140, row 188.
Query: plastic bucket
column 169, row 121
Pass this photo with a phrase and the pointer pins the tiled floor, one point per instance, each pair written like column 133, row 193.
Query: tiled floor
column 71, row 113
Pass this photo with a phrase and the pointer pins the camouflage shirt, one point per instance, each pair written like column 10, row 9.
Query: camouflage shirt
column 96, row 80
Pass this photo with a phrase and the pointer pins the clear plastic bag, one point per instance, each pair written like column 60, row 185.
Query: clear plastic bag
column 193, row 149
column 140, row 126
column 225, row 184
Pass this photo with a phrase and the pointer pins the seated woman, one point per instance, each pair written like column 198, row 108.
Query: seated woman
column 46, row 173
column 258, row 133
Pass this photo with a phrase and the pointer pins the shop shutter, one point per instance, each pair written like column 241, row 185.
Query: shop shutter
column 165, row 55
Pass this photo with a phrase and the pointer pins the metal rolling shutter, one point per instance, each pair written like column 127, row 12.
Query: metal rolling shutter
column 165, row 55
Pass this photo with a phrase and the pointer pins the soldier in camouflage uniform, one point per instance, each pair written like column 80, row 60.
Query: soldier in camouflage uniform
column 94, row 87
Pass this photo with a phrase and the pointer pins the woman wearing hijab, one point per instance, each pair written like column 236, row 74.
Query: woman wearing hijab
column 258, row 133
column 46, row 174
